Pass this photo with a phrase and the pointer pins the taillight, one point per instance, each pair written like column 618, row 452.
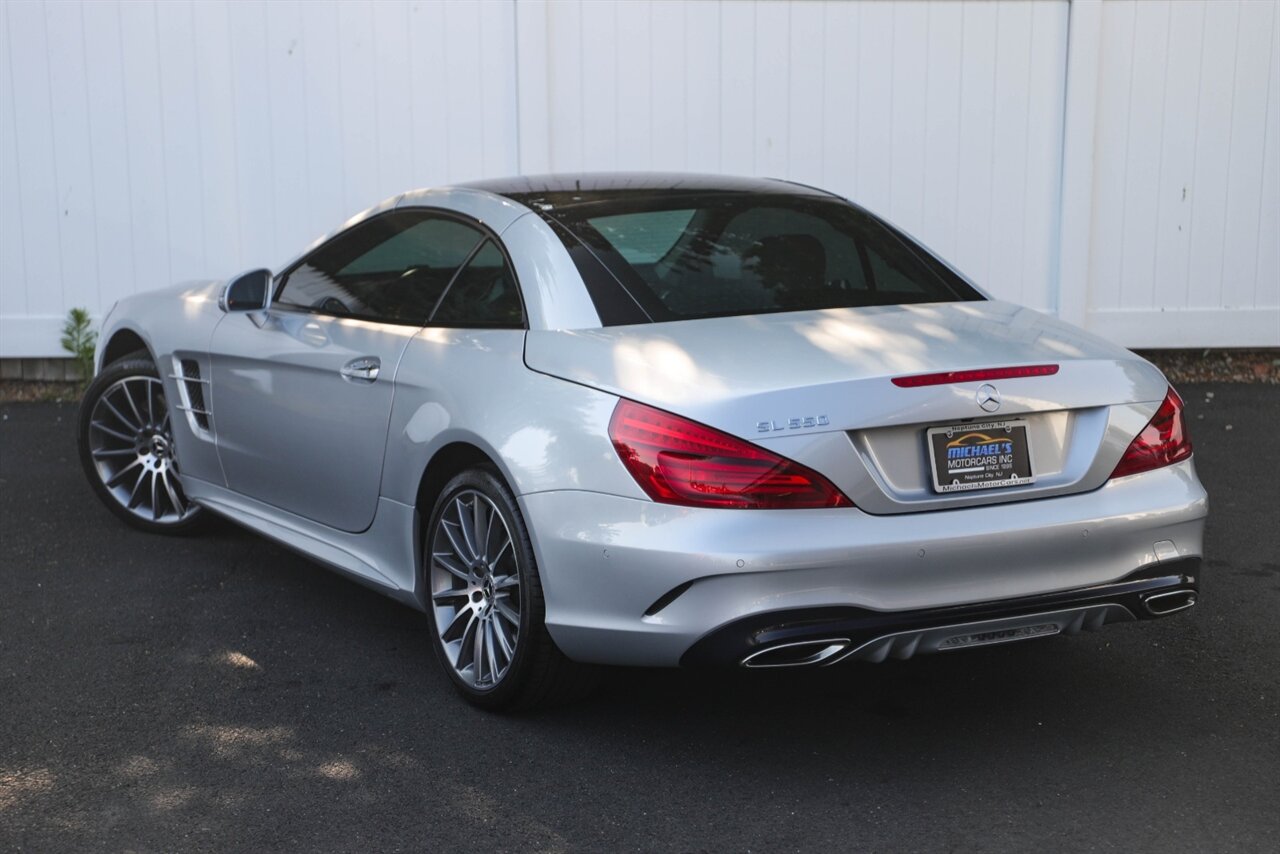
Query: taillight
column 677, row 461
column 1162, row 442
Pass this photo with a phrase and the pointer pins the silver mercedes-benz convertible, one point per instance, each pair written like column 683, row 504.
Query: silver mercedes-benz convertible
column 655, row 420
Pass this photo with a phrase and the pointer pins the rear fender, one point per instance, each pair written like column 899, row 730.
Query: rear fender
column 472, row 386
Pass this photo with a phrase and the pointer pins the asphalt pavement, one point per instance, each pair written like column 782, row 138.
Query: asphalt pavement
column 222, row 693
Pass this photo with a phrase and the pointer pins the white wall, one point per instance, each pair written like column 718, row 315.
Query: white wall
column 944, row 117
column 143, row 143
column 149, row 142
column 1186, row 180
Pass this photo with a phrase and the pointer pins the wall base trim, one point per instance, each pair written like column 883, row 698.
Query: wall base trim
column 40, row 370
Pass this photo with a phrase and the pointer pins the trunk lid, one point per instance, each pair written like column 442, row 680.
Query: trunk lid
column 817, row 387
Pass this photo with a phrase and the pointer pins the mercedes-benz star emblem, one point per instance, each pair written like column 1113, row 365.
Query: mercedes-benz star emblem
column 988, row 398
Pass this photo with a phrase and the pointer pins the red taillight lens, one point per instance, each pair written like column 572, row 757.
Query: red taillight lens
column 677, row 461
column 1162, row 442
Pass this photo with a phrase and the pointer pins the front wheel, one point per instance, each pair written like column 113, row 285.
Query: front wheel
column 486, row 608
column 127, row 450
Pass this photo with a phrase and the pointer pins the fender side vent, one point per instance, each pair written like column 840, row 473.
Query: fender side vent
column 191, row 386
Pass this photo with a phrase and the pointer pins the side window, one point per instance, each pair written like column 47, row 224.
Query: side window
column 392, row 268
column 484, row 295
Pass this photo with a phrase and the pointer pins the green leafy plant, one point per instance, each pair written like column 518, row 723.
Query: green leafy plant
column 79, row 339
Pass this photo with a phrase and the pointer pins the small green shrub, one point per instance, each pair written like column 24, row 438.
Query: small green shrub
column 79, row 339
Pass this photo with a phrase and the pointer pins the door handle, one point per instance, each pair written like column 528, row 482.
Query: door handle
column 362, row 370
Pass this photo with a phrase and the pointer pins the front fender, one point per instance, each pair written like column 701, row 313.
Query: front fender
column 179, row 317
column 176, row 320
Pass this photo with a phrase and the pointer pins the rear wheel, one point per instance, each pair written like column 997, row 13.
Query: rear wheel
column 127, row 449
column 486, row 608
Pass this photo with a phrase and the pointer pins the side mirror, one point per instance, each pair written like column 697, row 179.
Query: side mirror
column 249, row 291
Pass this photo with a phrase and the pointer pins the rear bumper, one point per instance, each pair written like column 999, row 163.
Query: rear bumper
column 825, row 636
column 633, row 582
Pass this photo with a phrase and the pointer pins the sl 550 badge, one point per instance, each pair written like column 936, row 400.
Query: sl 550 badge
column 803, row 423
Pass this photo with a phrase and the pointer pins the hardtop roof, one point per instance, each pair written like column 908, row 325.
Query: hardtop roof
column 558, row 191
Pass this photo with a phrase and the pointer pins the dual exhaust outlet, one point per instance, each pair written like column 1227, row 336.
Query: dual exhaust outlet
column 825, row 651
column 1159, row 604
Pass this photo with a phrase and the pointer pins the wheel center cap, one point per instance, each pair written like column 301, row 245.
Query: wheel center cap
column 153, row 445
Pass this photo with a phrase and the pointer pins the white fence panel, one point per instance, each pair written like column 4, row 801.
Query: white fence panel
column 143, row 143
column 152, row 141
column 944, row 117
column 1185, row 247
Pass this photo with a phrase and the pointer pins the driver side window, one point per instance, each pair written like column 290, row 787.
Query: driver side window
column 391, row 268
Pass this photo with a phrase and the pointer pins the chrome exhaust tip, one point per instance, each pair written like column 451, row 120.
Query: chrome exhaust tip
column 1161, row 604
column 797, row 654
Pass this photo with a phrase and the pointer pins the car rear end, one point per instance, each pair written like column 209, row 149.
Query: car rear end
column 861, row 458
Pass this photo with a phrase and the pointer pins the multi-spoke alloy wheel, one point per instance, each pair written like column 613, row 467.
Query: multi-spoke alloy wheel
column 485, row 603
column 126, row 444
column 475, row 589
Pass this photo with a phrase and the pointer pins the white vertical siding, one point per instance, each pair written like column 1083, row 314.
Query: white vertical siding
column 143, row 143
column 943, row 117
column 148, row 142
column 1185, row 244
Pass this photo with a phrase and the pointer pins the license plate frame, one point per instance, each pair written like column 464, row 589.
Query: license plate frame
column 995, row 471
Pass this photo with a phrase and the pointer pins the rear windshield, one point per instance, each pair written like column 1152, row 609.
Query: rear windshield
column 718, row 255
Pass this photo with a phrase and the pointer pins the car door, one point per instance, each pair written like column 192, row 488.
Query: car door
column 302, row 392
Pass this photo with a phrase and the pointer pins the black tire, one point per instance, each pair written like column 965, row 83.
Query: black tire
column 538, row 675
column 93, row 439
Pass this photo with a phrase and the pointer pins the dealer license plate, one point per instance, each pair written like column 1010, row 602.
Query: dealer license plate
column 988, row 455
